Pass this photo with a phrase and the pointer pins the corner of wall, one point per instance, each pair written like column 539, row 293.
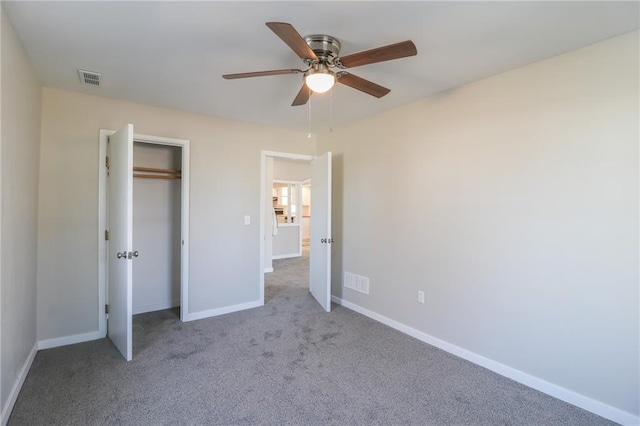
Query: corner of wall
column 15, row 390
column 19, row 168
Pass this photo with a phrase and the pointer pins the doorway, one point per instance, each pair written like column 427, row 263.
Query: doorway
column 165, row 162
column 290, row 213
column 319, row 169
column 291, row 218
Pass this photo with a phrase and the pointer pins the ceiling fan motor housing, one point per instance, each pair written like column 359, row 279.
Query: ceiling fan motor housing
column 325, row 47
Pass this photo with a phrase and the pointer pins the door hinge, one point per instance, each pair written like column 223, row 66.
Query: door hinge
column 106, row 162
column 106, row 235
column 106, row 309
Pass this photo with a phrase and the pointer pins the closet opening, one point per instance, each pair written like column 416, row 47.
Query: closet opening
column 157, row 196
column 143, row 209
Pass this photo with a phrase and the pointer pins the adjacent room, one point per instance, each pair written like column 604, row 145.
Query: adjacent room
column 320, row 213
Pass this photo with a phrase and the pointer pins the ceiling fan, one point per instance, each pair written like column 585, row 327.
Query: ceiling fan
column 324, row 67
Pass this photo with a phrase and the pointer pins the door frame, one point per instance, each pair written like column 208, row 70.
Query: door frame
column 263, row 178
column 302, row 184
column 103, row 269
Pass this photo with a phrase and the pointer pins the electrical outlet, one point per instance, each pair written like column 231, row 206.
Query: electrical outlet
column 420, row 296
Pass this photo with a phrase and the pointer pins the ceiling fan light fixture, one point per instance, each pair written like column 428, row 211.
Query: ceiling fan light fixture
column 320, row 80
column 321, row 53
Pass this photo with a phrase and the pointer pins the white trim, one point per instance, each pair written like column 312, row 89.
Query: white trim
column 102, row 227
column 159, row 140
column 103, row 270
column 300, row 218
column 286, row 256
column 554, row 390
column 69, row 340
column 185, row 221
column 263, row 159
column 102, row 222
column 263, row 171
column 288, row 155
column 267, row 270
column 224, row 310
column 151, row 307
column 291, row 182
column 17, row 386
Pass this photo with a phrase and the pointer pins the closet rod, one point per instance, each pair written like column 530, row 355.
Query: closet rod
column 137, row 175
column 153, row 170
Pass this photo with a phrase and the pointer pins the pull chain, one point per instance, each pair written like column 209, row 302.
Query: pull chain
column 331, row 110
column 309, row 134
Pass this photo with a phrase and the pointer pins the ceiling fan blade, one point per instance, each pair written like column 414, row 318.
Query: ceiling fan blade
column 363, row 85
column 290, row 36
column 303, row 96
column 380, row 54
column 260, row 74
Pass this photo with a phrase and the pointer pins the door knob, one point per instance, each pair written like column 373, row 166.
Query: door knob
column 121, row 255
column 135, row 253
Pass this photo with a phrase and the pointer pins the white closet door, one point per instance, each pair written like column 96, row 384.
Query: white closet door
column 120, row 240
column 320, row 254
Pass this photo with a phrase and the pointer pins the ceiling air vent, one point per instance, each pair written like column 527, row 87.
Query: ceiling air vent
column 90, row 77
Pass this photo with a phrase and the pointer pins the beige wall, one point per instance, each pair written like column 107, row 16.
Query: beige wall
column 513, row 204
column 21, row 96
column 287, row 242
column 284, row 169
column 225, row 186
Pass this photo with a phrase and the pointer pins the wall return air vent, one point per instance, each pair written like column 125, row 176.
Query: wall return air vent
column 90, row 77
column 356, row 282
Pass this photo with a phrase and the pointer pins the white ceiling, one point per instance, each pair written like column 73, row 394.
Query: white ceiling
column 172, row 54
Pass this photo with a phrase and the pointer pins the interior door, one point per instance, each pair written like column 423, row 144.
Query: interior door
column 119, row 327
column 320, row 254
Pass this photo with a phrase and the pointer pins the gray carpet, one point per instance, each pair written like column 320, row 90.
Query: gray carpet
column 288, row 362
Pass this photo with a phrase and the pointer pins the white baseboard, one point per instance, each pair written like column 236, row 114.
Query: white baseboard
column 70, row 340
column 86, row 337
column 267, row 270
column 152, row 307
column 13, row 395
column 574, row 398
column 221, row 311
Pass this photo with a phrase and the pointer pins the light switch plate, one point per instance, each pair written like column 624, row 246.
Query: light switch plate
column 247, row 220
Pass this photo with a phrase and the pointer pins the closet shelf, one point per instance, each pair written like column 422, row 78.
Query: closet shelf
column 158, row 173
column 153, row 170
